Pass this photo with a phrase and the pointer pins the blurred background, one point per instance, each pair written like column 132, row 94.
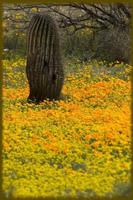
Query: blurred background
column 87, row 31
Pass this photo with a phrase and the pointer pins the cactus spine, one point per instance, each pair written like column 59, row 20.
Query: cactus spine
column 44, row 67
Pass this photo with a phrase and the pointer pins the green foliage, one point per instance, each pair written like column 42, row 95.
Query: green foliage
column 78, row 45
column 110, row 44
column 113, row 44
column 15, row 42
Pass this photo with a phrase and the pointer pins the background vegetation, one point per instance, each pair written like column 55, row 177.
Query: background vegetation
column 94, row 31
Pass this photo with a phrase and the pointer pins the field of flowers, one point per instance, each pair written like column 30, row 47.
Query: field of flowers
column 78, row 146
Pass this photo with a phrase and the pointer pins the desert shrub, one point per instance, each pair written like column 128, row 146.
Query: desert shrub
column 113, row 44
column 78, row 45
column 15, row 41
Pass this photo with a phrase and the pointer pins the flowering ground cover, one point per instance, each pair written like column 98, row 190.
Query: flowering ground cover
column 78, row 146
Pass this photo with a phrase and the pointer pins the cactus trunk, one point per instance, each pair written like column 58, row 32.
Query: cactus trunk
column 44, row 67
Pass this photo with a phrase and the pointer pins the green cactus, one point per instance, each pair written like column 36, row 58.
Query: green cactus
column 44, row 67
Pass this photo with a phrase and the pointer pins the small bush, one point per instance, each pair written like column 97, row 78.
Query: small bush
column 113, row 44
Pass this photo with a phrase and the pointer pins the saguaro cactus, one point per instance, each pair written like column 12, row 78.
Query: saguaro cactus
column 44, row 66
